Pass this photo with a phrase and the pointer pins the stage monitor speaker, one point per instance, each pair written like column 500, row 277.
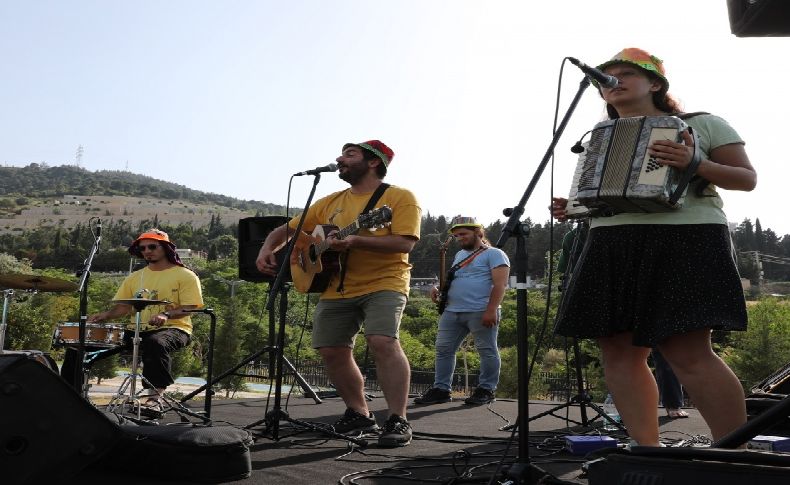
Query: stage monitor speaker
column 648, row 465
column 48, row 433
column 759, row 18
column 252, row 233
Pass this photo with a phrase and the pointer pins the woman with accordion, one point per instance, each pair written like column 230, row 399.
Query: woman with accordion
column 663, row 279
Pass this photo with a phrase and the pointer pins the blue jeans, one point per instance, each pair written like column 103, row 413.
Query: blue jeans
column 453, row 328
column 670, row 392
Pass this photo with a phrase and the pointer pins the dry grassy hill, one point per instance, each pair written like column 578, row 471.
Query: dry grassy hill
column 72, row 209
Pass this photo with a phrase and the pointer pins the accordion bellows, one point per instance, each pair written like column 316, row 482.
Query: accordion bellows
column 615, row 173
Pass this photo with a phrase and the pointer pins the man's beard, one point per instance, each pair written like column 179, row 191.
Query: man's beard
column 470, row 246
column 354, row 173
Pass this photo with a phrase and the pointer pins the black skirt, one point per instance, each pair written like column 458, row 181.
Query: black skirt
column 655, row 281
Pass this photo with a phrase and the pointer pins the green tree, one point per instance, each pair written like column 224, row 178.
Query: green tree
column 765, row 345
column 227, row 350
column 105, row 369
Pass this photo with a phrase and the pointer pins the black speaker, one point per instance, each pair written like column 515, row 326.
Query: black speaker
column 252, row 233
column 759, row 18
column 48, row 432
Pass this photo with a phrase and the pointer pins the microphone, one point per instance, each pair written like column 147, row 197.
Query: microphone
column 98, row 228
column 332, row 167
column 578, row 148
column 604, row 80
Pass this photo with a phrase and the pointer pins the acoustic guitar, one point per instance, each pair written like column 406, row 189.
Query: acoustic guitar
column 313, row 263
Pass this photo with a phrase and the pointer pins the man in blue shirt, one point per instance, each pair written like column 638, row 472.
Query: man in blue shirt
column 477, row 283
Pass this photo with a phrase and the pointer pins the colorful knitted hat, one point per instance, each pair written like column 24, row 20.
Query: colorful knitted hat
column 639, row 58
column 381, row 150
column 462, row 221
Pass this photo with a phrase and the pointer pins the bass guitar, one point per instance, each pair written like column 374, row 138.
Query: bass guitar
column 313, row 263
column 444, row 286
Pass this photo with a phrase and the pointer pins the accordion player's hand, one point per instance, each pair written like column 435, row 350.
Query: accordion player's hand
column 558, row 208
column 673, row 154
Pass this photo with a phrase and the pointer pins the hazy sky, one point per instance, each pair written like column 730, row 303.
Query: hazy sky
column 233, row 97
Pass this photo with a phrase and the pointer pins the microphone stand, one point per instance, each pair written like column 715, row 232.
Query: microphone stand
column 84, row 274
column 272, row 419
column 523, row 472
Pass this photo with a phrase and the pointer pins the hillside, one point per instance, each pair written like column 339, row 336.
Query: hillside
column 39, row 195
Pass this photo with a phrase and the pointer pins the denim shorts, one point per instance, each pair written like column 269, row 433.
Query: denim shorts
column 336, row 322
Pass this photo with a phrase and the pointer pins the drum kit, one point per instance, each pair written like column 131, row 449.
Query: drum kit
column 100, row 338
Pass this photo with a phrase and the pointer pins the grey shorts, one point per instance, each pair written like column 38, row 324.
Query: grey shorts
column 336, row 322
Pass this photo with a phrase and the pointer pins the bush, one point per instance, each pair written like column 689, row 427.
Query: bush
column 764, row 347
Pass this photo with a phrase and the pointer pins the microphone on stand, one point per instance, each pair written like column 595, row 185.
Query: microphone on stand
column 604, row 80
column 332, row 167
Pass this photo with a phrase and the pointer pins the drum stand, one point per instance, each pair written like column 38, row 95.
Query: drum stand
column 130, row 381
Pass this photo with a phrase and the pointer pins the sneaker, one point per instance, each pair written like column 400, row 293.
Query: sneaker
column 480, row 396
column 396, row 432
column 433, row 395
column 354, row 422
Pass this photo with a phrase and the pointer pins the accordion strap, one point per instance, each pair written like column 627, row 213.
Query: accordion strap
column 696, row 159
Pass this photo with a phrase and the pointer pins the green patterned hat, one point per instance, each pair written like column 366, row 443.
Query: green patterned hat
column 638, row 58
column 378, row 147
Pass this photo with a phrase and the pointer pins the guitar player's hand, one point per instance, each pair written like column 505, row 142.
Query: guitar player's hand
column 435, row 294
column 340, row 245
column 266, row 262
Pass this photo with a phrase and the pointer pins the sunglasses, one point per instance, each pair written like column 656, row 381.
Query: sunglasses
column 150, row 247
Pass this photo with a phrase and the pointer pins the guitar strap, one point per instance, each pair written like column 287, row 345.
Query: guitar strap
column 451, row 273
column 374, row 197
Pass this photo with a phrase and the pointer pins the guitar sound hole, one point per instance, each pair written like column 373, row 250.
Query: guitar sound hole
column 313, row 256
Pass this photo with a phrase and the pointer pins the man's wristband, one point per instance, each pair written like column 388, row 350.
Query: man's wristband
column 167, row 314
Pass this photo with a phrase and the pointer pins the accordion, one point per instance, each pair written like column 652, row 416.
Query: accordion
column 615, row 172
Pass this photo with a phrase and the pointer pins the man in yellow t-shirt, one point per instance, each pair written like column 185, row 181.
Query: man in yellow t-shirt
column 164, row 328
column 372, row 289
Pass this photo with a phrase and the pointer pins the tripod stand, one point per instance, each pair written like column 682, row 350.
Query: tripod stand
column 270, row 349
column 272, row 419
column 130, row 381
column 582, row 398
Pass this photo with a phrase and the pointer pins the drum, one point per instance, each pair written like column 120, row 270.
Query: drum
column 103, row 335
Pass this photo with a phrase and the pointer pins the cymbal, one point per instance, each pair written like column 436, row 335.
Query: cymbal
column 141, row 302
column 35, row 282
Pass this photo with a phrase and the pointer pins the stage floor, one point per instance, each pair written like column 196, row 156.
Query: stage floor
column 450, row 440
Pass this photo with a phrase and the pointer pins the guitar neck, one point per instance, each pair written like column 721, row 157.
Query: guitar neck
column 341, row 234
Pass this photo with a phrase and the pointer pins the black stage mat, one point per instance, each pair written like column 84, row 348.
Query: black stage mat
column 453, row 443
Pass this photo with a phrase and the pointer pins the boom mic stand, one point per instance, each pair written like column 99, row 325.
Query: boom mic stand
column 271, row 349
column 582, row 397
column 523, row 471
column 272, row 419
